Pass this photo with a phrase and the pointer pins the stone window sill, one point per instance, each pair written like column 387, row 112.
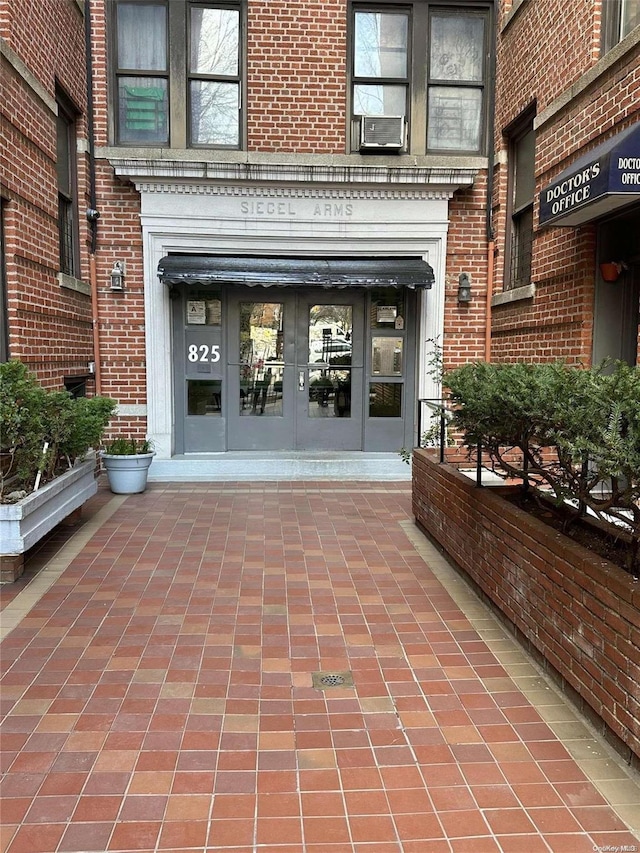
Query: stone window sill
column 517, row 294
column 71, row 283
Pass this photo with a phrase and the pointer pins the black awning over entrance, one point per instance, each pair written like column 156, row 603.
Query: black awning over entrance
column 603, row 180
column 296, row 272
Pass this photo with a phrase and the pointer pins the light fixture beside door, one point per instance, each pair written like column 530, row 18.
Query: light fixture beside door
column 464, row 287
column 117, row 276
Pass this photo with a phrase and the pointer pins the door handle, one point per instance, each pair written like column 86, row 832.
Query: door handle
column 301, row 380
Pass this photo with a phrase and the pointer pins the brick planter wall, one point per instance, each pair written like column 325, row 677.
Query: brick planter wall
column 578, row 614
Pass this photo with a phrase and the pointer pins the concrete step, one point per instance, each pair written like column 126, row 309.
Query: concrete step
column 280, row 465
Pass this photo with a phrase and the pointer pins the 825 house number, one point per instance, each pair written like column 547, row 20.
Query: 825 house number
column 210, row 354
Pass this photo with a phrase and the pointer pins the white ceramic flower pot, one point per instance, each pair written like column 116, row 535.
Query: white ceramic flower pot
column 127, row 474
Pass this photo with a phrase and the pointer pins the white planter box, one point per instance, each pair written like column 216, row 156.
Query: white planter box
column 24, row 523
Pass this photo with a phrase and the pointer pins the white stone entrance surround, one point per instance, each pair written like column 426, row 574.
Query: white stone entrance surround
column 299, row 209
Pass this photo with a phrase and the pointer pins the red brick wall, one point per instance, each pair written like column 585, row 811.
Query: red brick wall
column 558, row 322
column 121, row 315
column 297, row 76
column 121, row 320
column 464, row 323
column 50, row 327
column 100, row 89
column 579, row 613
column 542, row 51
column 556, row 325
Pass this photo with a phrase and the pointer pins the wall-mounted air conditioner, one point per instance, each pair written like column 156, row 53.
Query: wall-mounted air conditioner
column 386, row 132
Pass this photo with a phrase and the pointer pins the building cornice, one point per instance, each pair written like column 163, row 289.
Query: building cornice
column 168, row 164
column 262, row 191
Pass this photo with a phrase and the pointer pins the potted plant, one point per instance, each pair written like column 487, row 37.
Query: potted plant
column 127, row 461
column 47, row 459
column 612, row 270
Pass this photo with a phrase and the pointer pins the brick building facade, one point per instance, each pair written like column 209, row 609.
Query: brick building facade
column 293, row 203
column 46, row 295
column 567, row 188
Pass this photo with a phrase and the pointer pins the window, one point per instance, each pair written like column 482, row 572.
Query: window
column 427, row 63
column 177, row 73
column 456, row 78
column 521, row 193
column 67, row 189
column 381, row 63
column 143, row 78
column 619, row 18
column 76, row 386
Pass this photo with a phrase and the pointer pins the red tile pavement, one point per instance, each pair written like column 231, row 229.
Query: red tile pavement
column 159, row 696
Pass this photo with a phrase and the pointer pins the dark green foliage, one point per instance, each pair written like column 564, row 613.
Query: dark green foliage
column 128, row 446
column 31, row 417
column 575, row 433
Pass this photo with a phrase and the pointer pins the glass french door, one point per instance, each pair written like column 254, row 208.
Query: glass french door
column 295, row 369
column 329, row 368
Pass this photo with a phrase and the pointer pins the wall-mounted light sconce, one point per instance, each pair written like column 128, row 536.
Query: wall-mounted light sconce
column 117, row 276
column 464, row 287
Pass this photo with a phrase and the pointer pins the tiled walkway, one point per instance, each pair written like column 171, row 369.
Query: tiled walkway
column 158, row 690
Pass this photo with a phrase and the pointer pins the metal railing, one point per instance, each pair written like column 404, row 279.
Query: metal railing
column 438, row 406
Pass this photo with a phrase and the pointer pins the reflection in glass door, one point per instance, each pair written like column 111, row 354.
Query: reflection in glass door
column 283, row 369
column 295, row 370
column 261, row 359
column 329, row 365
column 261, row 369
column 330, row 353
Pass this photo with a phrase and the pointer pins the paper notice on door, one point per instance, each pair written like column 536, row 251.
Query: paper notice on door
column 196, row 313
column 214, row 312
column 386, row 313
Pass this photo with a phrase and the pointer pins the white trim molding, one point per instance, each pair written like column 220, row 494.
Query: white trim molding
column 156, row 164
column 263, row 219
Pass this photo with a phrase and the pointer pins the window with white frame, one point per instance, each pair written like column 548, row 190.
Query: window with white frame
column 427, row 62
column 619, row 18
column 177, row 73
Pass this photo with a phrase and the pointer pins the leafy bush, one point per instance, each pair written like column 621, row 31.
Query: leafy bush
column 43, row 432
column 575, row 433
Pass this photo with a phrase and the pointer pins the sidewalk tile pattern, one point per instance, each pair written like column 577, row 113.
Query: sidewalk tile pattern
column 159, row 695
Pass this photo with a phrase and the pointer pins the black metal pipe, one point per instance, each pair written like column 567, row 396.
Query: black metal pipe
column 491, row 122
column 92, row 212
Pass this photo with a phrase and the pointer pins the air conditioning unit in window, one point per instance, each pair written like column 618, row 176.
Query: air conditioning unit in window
column 386, row 132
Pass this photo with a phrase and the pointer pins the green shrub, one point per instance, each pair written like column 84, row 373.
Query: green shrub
column 575, row 433
column 43, row 432
column 128, row 446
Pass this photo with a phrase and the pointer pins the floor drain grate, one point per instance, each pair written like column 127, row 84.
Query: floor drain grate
column 324, row 680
